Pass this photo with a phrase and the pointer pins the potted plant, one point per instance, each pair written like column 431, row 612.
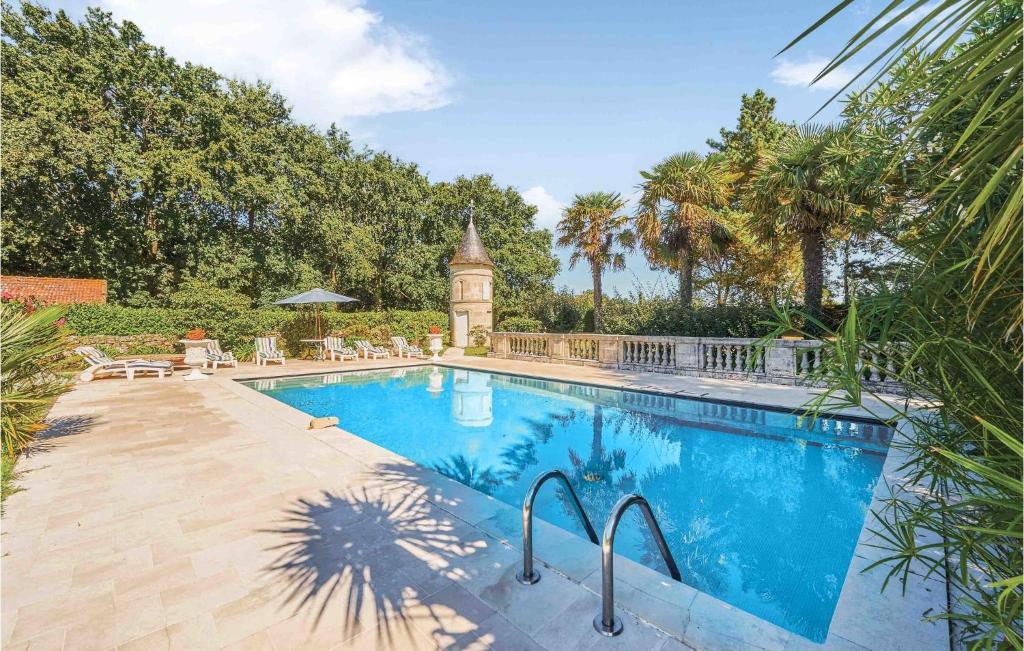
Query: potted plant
column 435, row 342
column 195, row 342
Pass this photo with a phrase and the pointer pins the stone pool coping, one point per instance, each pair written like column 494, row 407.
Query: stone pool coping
column 864, row 618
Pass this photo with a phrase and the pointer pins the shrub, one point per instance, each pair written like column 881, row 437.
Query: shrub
column 520, row 324
column 236, row 328
column 33, row 371
column 478, row 334
column 665, row 316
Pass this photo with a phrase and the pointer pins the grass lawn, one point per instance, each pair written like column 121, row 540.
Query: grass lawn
column 477, row 351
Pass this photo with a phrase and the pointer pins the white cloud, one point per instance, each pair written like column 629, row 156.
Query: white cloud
column 549, row 209
column 789, row 73
column 332, row 59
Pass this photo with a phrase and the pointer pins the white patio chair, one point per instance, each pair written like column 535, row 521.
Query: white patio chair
column 216, row 356
column 267, row 351
column 404, row 347
column 336, row 348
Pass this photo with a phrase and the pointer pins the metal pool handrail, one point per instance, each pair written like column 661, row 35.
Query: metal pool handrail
column 528, row 575
column 606, row 623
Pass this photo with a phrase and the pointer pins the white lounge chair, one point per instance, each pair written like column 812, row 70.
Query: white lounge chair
column 404, row 347
column 216, row 356
column 101, row 363
column 368, row 350
column 336, row 348
column 267, row 351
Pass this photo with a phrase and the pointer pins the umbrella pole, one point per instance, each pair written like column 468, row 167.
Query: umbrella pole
column 318, row 321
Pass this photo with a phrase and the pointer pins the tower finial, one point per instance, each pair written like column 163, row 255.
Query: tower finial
column 471, row 211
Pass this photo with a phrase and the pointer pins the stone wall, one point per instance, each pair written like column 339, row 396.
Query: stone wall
column 142, row 346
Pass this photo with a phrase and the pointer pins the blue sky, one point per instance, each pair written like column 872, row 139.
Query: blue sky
column 551, row 98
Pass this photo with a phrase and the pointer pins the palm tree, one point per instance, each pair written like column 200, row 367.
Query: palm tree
column 801, row 190
column 676, row 221
column 594, row 227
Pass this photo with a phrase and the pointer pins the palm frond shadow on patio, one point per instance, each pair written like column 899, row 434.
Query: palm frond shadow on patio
column 56, row 429
column 379, row 557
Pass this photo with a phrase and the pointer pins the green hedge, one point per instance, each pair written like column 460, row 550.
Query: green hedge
column 520, row 324
column 236, row 328
column 667, row 317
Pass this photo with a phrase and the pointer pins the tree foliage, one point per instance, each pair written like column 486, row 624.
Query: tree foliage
column 121, row 163
column 595, row 228
column 678, row 220
column 942, row 114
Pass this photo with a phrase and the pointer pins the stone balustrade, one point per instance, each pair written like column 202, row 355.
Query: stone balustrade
column 781, row 361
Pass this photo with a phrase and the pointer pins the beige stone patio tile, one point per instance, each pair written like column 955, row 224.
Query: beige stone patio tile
column 40, row 587
column 257, row 610
column 112, row 567
column 528, row 607
column 256, row 642
column 405, row 639
column 136, row 617
column 499, row 634
column 156, row 579
column 305, row 632
column 26, row 543
column 93, row 633
column 193, row 634
column 203, row 595
column 52, row 640
column 451, row 617
column 715, row 624
column 91, row 603
column 248, row 555
column 570, row 629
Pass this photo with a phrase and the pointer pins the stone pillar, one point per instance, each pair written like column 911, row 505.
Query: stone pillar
column 557, row 347
column 608, row 348
column 780, row 362
column 688, row 354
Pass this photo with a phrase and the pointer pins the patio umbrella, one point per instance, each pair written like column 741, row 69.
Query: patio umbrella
column 316, row 297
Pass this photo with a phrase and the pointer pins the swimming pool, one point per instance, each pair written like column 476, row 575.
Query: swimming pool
column 759, row 509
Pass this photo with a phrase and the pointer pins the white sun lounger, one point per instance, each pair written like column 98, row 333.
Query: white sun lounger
column 368, row 350
column 101, row 363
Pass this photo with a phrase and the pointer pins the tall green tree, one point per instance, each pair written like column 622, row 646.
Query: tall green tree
column 122, row 163
column 756, row 135
column 677, row 220
column 800, row 190
column 594, row 226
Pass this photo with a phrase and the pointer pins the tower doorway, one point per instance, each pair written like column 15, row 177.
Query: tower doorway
column 460, row 330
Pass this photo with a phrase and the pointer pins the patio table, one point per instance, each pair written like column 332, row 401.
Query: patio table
column 318, row 343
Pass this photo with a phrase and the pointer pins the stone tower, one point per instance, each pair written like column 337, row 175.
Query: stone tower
column 472, row 278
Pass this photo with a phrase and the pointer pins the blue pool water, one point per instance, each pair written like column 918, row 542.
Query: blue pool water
column 759, row 510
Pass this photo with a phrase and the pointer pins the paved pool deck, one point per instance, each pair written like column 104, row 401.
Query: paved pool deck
column 163, row 514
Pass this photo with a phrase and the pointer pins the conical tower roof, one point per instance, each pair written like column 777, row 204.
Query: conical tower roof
column 472, row 250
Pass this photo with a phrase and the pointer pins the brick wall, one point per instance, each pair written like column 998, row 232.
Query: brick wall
column 62, row 291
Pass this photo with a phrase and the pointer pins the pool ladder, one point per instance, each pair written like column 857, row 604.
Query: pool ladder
column 605, row 622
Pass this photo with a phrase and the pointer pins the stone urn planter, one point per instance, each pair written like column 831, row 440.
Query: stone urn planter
column 195, row 356
column 435, row 345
